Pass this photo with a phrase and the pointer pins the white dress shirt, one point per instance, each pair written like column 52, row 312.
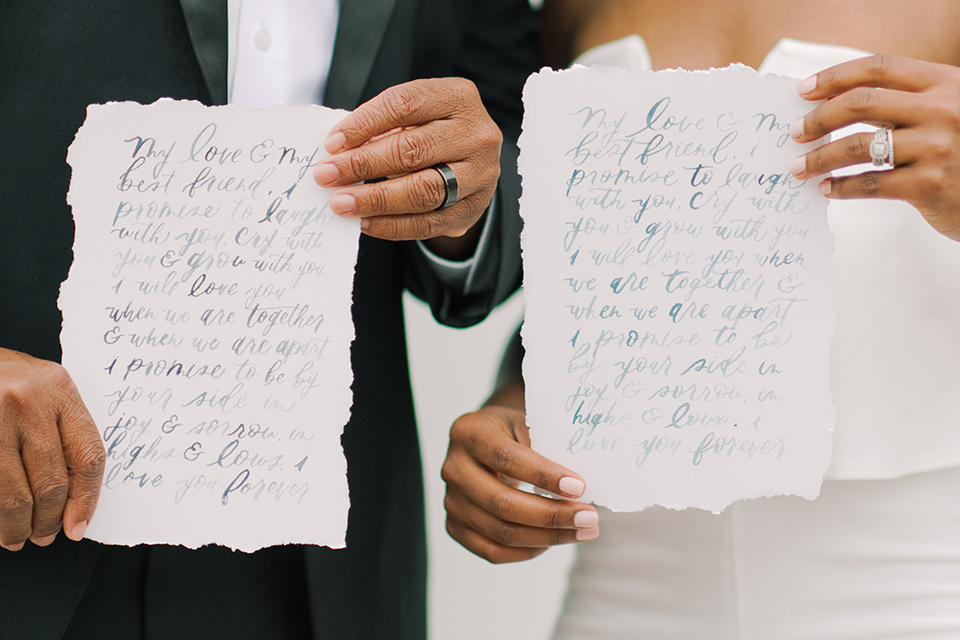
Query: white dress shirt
column 279, row 51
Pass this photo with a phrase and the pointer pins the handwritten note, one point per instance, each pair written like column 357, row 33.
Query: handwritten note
column 677, row 281
column 207, row 323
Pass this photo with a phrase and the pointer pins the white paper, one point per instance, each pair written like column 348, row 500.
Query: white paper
column 207, row 323
column 677, row 280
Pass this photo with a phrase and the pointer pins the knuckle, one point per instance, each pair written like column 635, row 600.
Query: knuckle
column 474, row 438
column 493, row 138
column 429, row 193
column 507, row 534
column 813, row 122
column 826, row 77
column 502, row 505
column 430, row 225
column 490, row 553
column 858, row 146
column 463, row 91
column 862, row 99
column 555, row 519
column 838, row 187
column 452, row 529
column 414, row 151
column 870, row 183
column 18, row 507
column 559, row 537
column 879, row 66
column 90, row 460
column 401, row 102
column 362, row 119
column 449, row 505
column 56, row 373
column 947, row 109
column 360, row 164
column 19, row 395
column 932, row 180
column 940, row 146
column 460, row 431
column 814, row 162
column 952, row 110
column 51, row 491
column 503, row 458
column 544, row 476
column 390, row 228
column 447, row 474
column 378, row 199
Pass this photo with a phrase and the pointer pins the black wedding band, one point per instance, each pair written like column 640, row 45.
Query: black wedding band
column 449, row 183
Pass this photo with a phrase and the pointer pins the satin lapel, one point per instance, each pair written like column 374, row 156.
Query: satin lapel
column 359, row 33
column 207, row 25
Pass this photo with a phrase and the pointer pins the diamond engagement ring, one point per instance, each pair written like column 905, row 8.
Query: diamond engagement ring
column 881, row 147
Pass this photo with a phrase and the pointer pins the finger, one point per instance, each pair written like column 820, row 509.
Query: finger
column 403, row 105
column 492, row 448
column 902, row 183
column 486, row 548
column 889, row 72
column 449, row 222
column 855, row 149
column 893, row 108
column 385, row 208
column 420, row 192
column 511, row 534
column 46, row 471
column 16, row 501
column 402, row 152
column 471, row 482
column 85, row 459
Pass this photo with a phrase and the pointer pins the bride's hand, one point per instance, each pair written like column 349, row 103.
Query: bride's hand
column 920, row 101
column 489, row 452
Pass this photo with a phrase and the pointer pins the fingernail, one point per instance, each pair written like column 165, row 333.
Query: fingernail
column 586, row 519
column 343, row 203
column 799, row 165
column 325, row 174
column 12, row 547
column 45, row 541
column 76, row 533
column 334, row 142
column 587, row 534
column 807, row 85
column 571, row 486
column 364, row 224
column 825, row 187
column 796, row 129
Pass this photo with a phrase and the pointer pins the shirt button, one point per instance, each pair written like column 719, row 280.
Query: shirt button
column 262, row 39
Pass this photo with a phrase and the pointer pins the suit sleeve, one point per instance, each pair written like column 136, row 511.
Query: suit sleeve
column 497, row 51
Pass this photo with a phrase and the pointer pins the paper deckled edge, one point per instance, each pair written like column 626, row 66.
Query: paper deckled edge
column 544, row 75
column 91, row 111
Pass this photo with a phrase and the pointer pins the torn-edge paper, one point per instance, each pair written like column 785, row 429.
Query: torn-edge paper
column 207, row 323
column 679, row 308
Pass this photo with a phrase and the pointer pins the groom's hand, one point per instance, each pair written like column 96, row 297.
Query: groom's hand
column 51, row 455
column 400, row 135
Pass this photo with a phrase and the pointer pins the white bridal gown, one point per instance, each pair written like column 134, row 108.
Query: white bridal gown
column 877, row 555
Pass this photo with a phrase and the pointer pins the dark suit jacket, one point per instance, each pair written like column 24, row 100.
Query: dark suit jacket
column 58, row 56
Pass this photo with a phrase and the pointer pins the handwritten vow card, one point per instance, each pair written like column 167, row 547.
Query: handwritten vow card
column 207, row 323
column 677, row 277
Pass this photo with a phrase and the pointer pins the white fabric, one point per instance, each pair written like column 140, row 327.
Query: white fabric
column 279, row 51
column 870, row 559
column 867, row 560
column 895, row 359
